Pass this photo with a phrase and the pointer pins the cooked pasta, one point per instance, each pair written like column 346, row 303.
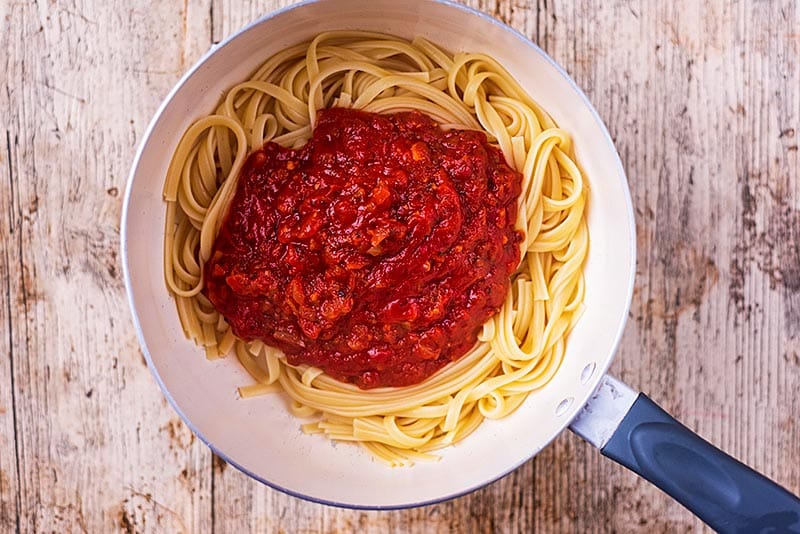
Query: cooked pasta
column 519, row 349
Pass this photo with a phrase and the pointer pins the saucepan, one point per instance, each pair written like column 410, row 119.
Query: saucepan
column 259, row 437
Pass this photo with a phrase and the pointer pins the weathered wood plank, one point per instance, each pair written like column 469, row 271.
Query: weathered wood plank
column 10, row 250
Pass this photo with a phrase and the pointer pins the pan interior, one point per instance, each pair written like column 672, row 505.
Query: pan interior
column 258, row 435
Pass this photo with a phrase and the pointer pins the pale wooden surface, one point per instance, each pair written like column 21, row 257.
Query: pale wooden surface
column 703, row 101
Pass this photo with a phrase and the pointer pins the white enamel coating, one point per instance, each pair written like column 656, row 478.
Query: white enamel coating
column 258, row 436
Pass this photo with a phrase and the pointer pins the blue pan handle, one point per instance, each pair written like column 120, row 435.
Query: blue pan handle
column 723, row 492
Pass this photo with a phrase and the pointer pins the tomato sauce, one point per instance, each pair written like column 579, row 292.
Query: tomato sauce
column 376, row 252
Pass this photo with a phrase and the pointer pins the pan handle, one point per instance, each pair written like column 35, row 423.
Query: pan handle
column 723, row 492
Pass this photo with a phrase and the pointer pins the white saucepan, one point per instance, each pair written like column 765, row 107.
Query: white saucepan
column 260, row 438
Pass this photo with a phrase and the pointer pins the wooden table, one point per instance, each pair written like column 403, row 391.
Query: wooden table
column 703, row 101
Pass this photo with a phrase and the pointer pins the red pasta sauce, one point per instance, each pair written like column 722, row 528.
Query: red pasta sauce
column 376, row 252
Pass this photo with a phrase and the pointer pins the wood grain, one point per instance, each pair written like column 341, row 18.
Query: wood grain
column 703, row 102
